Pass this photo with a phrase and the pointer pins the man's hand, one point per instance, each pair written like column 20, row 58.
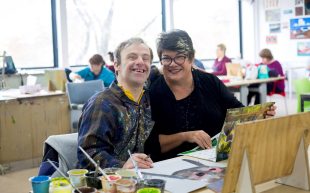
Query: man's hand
column 143, row 161
column 199, row 137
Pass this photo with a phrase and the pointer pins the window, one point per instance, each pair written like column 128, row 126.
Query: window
column 98, row 26
column 209, row 23
column 26, row 32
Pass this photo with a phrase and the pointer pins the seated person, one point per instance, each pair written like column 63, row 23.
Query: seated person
column 188, row 105
column 219, row 66
column 274, row 70
column 118, row 119
column 95, row 71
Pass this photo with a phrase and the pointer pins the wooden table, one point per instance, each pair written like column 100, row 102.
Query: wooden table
column 243, row 87
column 26, row 120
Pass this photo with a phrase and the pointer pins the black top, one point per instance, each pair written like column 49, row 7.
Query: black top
column 204, row 109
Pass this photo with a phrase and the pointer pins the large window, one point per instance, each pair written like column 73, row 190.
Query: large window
column 96, row 26
column 26, row 32
column 209, row 23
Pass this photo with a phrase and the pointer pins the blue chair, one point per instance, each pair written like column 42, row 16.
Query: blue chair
column 78, row 94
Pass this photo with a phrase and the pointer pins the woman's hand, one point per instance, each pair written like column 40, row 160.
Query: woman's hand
column 271, row 112
column 142, row 160
column 199, row 137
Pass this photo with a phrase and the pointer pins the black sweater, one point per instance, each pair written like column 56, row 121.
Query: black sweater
column 209, row 101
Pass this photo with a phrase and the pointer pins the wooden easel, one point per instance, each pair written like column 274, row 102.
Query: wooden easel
column 269, row 149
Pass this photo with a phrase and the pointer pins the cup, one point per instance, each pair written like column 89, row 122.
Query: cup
column 108, row 185
column 77, row 177
column 60, row 185
column 86, row 190
column 40, row 184
column 111, row 171
column 155, row 183
column 148, row 190
column 126, row 185
column 93, row 181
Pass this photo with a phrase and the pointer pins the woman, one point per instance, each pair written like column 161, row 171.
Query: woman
column 219, row 66
column 96, row 70
column 274, row 70
column 188, row 105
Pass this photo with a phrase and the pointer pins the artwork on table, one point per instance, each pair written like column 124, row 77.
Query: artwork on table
column 307, row 7
column 300, row 28
column 299, row 2
column 271, row 4
column 271, row 40
column 287, row 11
column 273, row 15
column 275, row 28
column 299, row 11
column 303, row 48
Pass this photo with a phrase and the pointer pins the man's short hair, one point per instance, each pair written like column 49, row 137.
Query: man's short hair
column 97, row 59
column 175, row 40
column 127, row 43
column 266, row 53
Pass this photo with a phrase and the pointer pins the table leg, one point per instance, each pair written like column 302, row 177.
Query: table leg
column 262, row 89
column 244, row 91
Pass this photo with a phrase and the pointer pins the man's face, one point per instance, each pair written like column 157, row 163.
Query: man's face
column 96, row 68
column 135, row 65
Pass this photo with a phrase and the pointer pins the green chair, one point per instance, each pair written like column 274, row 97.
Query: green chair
column 302, row 86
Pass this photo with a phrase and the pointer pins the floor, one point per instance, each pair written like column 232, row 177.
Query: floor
column 21, row 177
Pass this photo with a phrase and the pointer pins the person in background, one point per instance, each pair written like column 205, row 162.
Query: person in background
column 111, row 65
column 119, row 118
column 188, row 105
column 219, row 66
column 274, row 70
column 96, row 70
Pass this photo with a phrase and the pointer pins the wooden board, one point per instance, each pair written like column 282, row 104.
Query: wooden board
column 271, row 146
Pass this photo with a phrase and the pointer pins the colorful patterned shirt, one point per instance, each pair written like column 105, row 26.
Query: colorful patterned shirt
column 111, row 124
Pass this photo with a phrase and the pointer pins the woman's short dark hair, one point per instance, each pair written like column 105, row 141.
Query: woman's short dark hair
column 175, row 40
column 125, row 44
column 266, row 53
column 97, row 59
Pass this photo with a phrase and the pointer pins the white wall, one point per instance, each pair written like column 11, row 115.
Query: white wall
column 286, row 49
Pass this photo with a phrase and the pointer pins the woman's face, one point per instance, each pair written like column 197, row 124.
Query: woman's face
column 176, row 66
column 96, row 68
column 265, row 61
column 219, row 53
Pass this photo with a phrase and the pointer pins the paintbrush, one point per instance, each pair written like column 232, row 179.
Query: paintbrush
column 135, row 166
column 93, row 162
column 63, row 175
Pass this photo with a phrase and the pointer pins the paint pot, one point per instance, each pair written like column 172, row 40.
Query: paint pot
column 60, row 185
column 86, row 190
column 40, row 184
column 148, row 190
column 93, row 181
column 77, row 177
column 126, row 186
column 108, row 186
column 125, row 173
column 155, row 183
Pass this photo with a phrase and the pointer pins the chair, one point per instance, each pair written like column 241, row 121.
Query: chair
column 282, row 93
column 78, row 94
column 302, row 86
column 62, row 150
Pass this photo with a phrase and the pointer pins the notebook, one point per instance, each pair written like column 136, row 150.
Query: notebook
column 224, row 139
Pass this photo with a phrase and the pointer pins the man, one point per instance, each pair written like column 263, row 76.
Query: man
column 119, row 118
column 96, row 70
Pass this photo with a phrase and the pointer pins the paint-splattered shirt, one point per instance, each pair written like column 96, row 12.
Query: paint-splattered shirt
column 111, row 124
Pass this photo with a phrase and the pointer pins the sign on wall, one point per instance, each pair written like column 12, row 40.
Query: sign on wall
column 300, row 28
column 303, row 48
